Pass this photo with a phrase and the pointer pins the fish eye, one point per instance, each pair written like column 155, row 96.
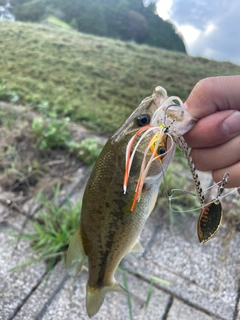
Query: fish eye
column 143, row 120
column 161, row 151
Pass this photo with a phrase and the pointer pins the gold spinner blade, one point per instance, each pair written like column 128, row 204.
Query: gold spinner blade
column 209, row 221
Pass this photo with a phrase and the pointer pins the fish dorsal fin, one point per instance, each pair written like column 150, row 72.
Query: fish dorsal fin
column 137, row 247
column 75, row 254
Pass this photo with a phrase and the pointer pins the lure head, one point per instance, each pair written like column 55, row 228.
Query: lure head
column 158, row 144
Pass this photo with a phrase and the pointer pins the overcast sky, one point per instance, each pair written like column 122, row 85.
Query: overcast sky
column 210, row 28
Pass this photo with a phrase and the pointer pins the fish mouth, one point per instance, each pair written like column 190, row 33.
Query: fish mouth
column 161, row 109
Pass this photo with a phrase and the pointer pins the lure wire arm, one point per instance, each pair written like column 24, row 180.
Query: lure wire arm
column 223, row 182
column 222, row 186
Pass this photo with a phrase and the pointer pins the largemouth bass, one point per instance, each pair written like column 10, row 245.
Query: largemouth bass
column 113, row 214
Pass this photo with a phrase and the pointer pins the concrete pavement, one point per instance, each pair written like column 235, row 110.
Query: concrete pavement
column 203, row 279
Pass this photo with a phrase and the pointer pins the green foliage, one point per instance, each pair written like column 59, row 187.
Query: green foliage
column 53, row 229
column 162, row 33
column 87, row 150
column 6, row 94
column 136, row 28
column 125, row 285
column 150, row 278
column 58, row 22
column 32, row 10
column 51, row 133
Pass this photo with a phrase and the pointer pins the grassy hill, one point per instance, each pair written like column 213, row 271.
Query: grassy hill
column 94, row 80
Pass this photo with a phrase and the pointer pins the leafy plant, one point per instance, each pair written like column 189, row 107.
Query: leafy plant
column 44, row 107
column 6, row 94
column 87, row 150
column 51, row 133
column 53, row 229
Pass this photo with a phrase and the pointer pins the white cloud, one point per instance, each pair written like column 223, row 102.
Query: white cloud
column 210, row 28
column 189, row 32
column 163, row 8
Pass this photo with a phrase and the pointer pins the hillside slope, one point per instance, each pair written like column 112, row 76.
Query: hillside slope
column 94, row 80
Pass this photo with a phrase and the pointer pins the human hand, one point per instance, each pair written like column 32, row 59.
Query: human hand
column 215, row 139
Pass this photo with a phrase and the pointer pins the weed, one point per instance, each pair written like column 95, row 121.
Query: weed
column 151, row 279
column 87, row 150
column 149, row 294
column 44, row 108
column 52, row 133
column 53, row 229
column 125, row 284
column 6, row 94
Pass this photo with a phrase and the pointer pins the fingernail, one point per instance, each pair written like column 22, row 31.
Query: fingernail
column 185, row 106
column 231, row 125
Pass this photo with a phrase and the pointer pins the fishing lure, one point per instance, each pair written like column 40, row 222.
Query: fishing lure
column 157, row 145
column 210, row 217
column 211, row 213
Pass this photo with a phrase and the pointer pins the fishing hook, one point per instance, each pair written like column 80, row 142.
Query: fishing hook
column 172, row 105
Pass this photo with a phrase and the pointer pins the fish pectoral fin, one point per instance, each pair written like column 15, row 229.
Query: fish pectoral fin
column 137, row 247
column 95, row 297
column 75, row 254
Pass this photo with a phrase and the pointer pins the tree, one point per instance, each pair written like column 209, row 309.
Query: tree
column 123, row 19
column 29, row 10
column 137, row 27
column 91, row 19
column 162, row 33
column 120, row 19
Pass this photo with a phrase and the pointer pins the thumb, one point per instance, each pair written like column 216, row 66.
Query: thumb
column 214, row 129
column 214, row 94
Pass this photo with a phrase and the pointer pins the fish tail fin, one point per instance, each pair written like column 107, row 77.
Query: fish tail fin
column 95, row 297
column 75, row 254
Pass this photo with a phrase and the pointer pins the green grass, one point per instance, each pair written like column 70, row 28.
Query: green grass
column 93, row 80
column 58, row 22
column 53, row 229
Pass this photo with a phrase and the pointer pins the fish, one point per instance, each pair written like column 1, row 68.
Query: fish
column 121, row 193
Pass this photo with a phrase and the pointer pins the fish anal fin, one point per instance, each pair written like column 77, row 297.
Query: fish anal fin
column 137, row 247
column 95, row 297
column 75, row 254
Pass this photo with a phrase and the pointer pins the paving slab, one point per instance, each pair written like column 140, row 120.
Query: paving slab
column 203, row 278
column 61, row 297
column 16, row 287
column 203, row 281
column 203, row 275
column 182, row 311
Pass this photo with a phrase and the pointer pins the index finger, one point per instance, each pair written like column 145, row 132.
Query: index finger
column 214, row 94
